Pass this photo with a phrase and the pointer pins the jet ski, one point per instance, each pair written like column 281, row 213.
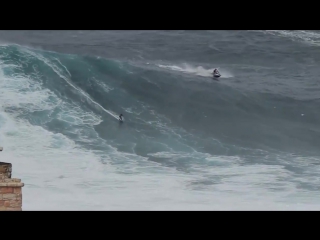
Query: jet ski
column 216, row 74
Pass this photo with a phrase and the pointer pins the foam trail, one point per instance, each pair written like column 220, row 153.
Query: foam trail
column 56, row 70
column 63, row 66
column 199, row 71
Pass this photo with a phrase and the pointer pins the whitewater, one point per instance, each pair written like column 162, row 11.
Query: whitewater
column 246, row 142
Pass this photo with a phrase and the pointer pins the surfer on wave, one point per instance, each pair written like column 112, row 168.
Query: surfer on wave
column 120, row 117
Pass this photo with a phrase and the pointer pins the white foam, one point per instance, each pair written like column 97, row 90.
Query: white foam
column 63, row 66
column 59, row 175
column 308, row 37
column 104, row 86
column 197, row 70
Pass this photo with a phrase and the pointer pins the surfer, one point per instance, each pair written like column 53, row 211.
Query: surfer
column 215, row 71
column 120, row 117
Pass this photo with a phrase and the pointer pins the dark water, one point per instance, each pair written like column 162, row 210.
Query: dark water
column 263, row 110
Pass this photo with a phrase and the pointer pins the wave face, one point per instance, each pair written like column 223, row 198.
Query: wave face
column 247, row 141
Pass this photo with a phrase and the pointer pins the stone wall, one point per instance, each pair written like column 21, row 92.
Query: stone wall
column 10, row 189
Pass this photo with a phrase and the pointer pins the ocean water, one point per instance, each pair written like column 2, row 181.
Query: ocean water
column 250, row 141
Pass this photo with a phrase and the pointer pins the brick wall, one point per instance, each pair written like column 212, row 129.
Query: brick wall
column 10, row 189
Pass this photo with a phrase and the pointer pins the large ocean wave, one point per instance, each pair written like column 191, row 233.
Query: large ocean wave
column 61, row 110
